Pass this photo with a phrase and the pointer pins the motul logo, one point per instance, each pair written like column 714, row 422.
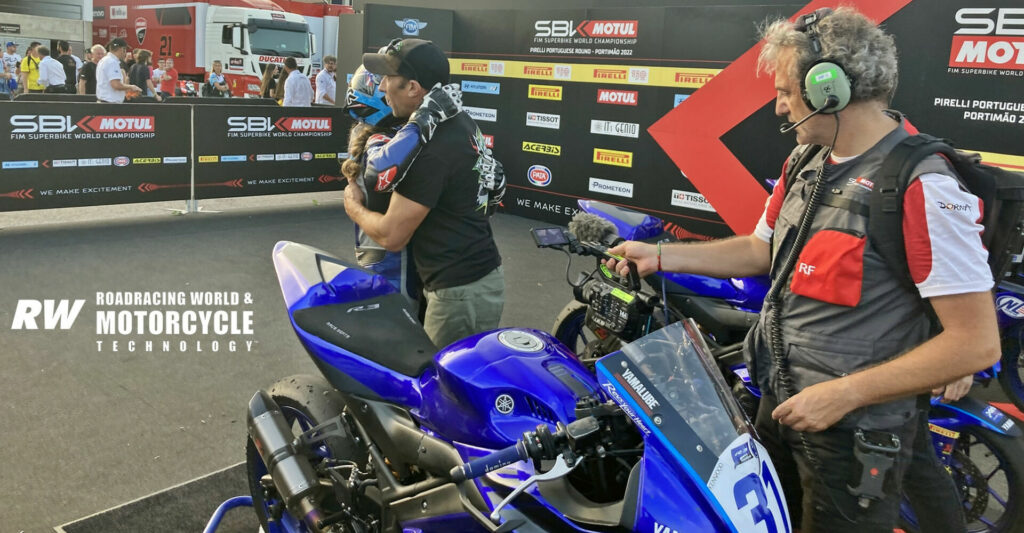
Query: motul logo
column 476, row 67
column 609, row 96
column 587, row 28
column 699, row 79
column 91, row 124
column 304, row 124
column 530, row 70
column 609, row 74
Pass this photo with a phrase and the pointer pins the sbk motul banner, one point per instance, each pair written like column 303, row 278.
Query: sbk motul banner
column 73, row 154
column 254, row 150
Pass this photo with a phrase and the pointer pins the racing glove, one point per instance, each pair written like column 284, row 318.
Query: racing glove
column 440, row 104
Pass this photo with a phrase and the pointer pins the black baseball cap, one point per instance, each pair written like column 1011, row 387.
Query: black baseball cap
column 414, row 59
column 117, row 43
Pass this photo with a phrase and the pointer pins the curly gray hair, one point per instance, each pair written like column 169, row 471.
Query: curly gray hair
column 866, row 53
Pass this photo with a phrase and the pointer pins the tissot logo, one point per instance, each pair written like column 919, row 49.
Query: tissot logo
column 609, row 96
column 545, row 92
column 613, row 157
column 691, row 200
column 476, row 67
column 540, row 148
column 90, row 124
column 543, row 120
column 614, row 74
column 988, row 38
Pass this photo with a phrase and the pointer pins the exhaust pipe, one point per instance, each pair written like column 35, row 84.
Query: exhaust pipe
column 291, row 472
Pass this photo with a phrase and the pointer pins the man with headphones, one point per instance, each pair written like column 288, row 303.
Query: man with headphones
column 842, row 350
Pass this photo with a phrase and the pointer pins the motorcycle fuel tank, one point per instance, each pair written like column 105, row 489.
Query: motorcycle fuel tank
column 488, row 389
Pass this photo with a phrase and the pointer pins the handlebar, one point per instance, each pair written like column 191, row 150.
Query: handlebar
column 482, row 465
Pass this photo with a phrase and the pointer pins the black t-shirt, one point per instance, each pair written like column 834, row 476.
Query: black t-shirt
column 69, row 65
column 454, row 245
column 138, row 75
column 88, row 73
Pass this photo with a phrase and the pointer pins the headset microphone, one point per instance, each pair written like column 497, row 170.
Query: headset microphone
column 830, row 102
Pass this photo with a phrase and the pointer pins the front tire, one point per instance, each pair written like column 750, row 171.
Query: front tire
column 305, row 402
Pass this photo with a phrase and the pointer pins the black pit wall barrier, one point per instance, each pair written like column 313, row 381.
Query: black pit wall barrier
column 249, row 151
column 58, row 154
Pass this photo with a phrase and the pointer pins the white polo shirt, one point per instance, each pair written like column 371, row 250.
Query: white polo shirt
column 109, row 68
column 51, row 72
column 325, row 86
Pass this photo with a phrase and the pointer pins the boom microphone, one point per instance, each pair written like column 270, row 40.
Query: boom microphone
column 592, row 228
column 831, row 102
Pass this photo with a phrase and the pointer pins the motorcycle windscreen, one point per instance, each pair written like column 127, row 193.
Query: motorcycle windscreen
column 669, row 385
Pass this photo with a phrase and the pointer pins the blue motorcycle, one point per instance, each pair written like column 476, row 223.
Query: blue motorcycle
column 502, row 431
column 980, row 444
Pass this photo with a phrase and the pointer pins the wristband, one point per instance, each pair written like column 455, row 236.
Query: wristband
column 659, row 257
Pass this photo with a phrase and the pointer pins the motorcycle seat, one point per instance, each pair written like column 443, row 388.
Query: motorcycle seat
column 381, row 329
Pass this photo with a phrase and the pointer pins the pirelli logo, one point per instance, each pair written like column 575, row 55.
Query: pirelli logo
column 614, row 158
column 612, row 74
column 476, row 67
column 545, row 92
column 539, row 148
column 698, row 79
column 534, row 70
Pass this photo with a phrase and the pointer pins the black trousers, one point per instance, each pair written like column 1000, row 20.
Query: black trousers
column 56, row 89
column 816, row 492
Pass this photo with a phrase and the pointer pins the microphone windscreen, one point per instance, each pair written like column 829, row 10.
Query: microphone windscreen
column 591, row 228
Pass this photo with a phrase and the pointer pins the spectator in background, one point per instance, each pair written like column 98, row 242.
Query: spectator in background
column 268, row 84
column 140, row 75
column 70, row 67
column 158, row 74
column 110, row 86
column 5, row 77
column 169, row 83
column 12, row 60
column 216, row 85
column 51, row 72
column 78, row 61
column 326, row 83
column 87, row 76
column 298, row 92
column 30, row 70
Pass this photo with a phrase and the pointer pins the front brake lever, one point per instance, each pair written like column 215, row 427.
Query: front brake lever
column 560, row 469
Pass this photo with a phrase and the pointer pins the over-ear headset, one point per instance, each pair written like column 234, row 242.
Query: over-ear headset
column 826, row 88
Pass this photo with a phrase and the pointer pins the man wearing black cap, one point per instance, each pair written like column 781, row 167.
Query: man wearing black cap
column 110, row 87
column 439, row 205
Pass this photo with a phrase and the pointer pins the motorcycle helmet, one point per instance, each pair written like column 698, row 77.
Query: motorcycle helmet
column 364, row 100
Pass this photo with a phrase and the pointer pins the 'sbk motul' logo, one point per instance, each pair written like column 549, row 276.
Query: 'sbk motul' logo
column 89, row 124
column 262, row 124
column 476, row 67
column 988, row 38
column 587, row 28
column 614, row 74
column 610, row 96
column 533, row 70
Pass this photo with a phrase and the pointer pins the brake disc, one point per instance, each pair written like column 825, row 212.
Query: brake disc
column 972, row 485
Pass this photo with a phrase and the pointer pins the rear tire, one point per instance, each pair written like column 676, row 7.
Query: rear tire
column 306, row 402
column 570, row 327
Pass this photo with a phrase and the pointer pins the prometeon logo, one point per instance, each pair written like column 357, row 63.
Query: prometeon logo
column 988, row 38
column 610, row 96
column 613, row 157
column 607, row 29
column 540, row 148
column 545, row 92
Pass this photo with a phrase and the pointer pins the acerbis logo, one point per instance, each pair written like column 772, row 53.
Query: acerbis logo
column 410, row 26
column 587, row 28
column 610, row 96
column 613, row 157
column 545, row 92
column 988, row 38
column 539, row 175
column 953, row 207
column 540, row 148
column 89, row 124
column 121, row 161
column 293, row 124
column 612, row 74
